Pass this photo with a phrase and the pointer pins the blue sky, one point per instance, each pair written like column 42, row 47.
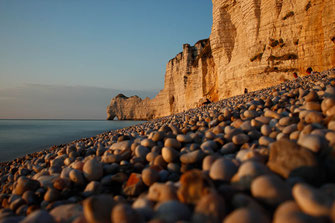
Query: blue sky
column 106, row 45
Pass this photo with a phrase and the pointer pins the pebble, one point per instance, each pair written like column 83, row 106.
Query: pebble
column 313, row 106
column 143, row 207
column 77, row 177
column 172, row 211
column 147, row 143
column 210, row 208
column 332, row 212
column 311, row 96
column 65, row 172
column 246, row 126
column 93, row 170
column 169, row 154
column 39, row 216
column 150, row 176
column 184, row 138
column 265, row 141
column 24, row 184
column 134, row 185
column 192, row 157
column 263, row 119
column 330, row 136
column 311, row 201
column 228, row 148
column 173, row 143
column 266, row 130
column 16, row 203
column 222, row 169
column 271, row 114
column 11, row 219
column 173, row 167
column 47, row 181
column 97, row 209
column 66, row 213
column 326, row 104
column 250, row 114
column 289, row 211
column 331, row 125
column 270, row 189
column 331, row 111
column 125, row 213
column 294, row 135
column 241, row 200
column 313, row 117
column 157, row 136
column 29, row 197
column 286, row 156
column 312, row 142
column 247, row 172
column 289, row 129
column 123, row 145
column 330, row 92
column 208, row 161
column 209, row 146
column 92, row 187
column 240, row 139
column 193, row 185
column 141, row 152
column 51, row 195
column 162, row 192
column 246, row 215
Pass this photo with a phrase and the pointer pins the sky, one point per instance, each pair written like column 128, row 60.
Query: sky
column 65, row 59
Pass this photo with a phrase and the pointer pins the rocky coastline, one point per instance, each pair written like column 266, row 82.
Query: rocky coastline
column 253, row 44
column 264, row 156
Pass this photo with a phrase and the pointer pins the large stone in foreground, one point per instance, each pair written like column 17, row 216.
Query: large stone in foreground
column 286, row 156
column 194, row 185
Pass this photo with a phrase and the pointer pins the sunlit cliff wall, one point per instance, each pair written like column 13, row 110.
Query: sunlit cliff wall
column 253, row 44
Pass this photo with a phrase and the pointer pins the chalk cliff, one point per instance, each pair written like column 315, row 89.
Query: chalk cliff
column 253, row 44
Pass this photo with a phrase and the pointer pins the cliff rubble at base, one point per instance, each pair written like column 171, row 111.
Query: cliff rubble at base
column 253, row 44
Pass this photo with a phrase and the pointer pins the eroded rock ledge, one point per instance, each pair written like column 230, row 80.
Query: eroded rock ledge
column 254, row 44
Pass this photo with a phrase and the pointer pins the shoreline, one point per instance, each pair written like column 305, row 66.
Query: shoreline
column 21, row 137
column 252, row 155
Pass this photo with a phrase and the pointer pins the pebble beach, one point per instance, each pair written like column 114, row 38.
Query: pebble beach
column 264, row 156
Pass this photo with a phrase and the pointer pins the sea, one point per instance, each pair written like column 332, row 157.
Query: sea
column 21, row 137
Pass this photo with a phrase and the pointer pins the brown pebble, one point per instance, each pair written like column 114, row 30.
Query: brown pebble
column 286, row 156
column 149, row 176
column 124, row 213
column 270, row 189
column 210, row 208
column 246, row 215
column 97, row 209
column 194, row 185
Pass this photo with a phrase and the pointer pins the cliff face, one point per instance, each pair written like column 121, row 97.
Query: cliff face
column 253, row 44
column 190, row 77
column 259, row 43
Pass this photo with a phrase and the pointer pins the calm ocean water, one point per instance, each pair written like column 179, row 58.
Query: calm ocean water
column 20, row 137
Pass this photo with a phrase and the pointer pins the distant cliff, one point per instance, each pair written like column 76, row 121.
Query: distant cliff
column 253, row 44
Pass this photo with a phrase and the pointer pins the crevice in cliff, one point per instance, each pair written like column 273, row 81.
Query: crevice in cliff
column 205, row 52
column 308, row 6
column 279, row 6
column 229, row 33
column 172, row 103
column 257, row 5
